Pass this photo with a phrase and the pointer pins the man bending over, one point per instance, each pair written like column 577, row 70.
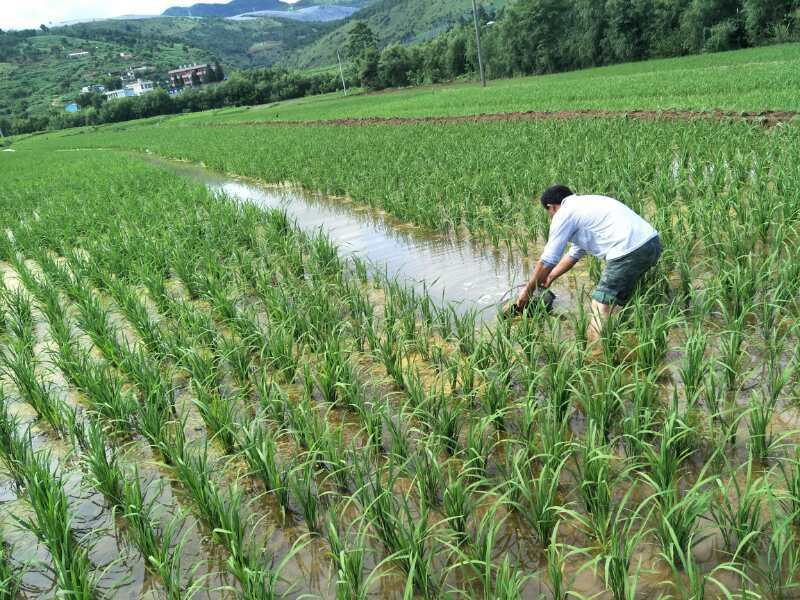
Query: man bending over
column 605, row 228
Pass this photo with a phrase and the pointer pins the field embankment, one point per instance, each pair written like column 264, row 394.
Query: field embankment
column 754, row 80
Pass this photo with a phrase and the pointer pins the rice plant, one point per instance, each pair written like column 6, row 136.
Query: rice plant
column 10, row 577
column 348, row 557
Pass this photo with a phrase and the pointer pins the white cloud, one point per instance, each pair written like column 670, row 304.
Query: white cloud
column 19, row 14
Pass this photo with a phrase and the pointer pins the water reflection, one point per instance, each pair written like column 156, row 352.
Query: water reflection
column 452, row 270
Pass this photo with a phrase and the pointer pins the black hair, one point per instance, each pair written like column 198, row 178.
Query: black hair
column 555, row 194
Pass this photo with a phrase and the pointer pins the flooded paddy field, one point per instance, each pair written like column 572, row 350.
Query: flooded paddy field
column 217, row 388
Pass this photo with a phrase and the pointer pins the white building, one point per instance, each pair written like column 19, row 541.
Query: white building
column 81, row 54
column 93, row 88
column 137, row 88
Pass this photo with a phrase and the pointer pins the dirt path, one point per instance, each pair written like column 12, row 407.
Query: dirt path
column 766, row 118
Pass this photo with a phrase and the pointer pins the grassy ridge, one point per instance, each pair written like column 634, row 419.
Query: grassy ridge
column 745, row 80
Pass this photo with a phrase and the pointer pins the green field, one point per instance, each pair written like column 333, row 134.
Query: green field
column 746, row 80
column 210, row 373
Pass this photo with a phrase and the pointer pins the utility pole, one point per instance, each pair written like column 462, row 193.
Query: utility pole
column 341, row 71
column 478, row 41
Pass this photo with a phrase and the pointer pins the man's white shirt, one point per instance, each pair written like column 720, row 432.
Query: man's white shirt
column 599, row 225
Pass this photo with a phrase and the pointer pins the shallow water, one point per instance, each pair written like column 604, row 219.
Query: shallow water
column 456, row 271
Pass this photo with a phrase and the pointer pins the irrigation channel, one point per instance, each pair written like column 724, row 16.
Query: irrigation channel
column 452, row 270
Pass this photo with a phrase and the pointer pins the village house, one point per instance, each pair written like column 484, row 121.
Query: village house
column 80, row 54
column 137, row 88
column 183, row 75
column 93, row 88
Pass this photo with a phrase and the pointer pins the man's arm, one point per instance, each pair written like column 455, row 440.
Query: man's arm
column 564, row 265
column 539, row 278
column 561, row 229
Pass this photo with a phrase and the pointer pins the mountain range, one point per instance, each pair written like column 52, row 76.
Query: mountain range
column 269, row 7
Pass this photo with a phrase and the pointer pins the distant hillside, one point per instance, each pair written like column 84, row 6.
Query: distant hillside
column 237, row 43
column 402, row 21
column 230, row 9
column 320, row 14
column 241, row 7
column 37, row 77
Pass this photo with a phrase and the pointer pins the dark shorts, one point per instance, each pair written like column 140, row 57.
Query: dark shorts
column 621, row 274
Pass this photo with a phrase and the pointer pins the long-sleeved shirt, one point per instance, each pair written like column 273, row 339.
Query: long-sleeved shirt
column 599, row 225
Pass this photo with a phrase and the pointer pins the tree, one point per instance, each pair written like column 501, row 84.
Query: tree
column 701, row 16
column 456, row 57
column 218, row 72
column 534, row 32
column 361, row 39
column 362, row 48
column 368, row 69
column 764, row 18
column 111, row 83
column 586, row 46
column 44, row 28
column 626, row 35
column 394, row 66
column 195, row 79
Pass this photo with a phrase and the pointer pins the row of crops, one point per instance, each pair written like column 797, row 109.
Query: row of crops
column 324, row 433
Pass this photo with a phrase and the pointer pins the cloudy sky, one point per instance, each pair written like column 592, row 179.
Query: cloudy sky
column 18, row 14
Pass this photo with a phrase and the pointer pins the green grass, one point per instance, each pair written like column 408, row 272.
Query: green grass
column 745, row 80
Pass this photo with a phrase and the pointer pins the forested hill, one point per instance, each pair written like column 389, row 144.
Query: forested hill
column 394, row 21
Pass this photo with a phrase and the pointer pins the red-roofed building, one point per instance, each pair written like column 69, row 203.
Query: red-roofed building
column 184, row 75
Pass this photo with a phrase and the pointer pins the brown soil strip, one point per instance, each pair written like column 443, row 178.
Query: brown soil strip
column 765, row 118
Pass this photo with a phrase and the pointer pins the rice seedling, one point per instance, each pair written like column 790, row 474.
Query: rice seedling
column 693, row 580
column 738, row 511
column 259, row 448
column 52, row 524
column 10, row 577
column 304, row 491
column 761, row 441
column 626, row 531
column 593, row 464
column 335, row 376
column 731, row 351
column 221, row 416
column 280, row 353
column 495, row 399
column 652, row 326
column 695, row 366
column 480, row 553
column 429, row 473
column 457, row 505
column 445, row 422
column 348, row 559
column 477, row 449
column 778, row 565
column 537, row 496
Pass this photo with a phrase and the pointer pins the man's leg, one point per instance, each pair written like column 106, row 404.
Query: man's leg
column 600, row 314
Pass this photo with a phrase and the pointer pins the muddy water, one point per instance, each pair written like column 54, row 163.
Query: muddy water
column 453, row 271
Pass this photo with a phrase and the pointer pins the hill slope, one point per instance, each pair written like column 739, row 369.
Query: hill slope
column 240, row 7
column 236, row 7
column 37, row 77
column 403, row 21
column 238, row 43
